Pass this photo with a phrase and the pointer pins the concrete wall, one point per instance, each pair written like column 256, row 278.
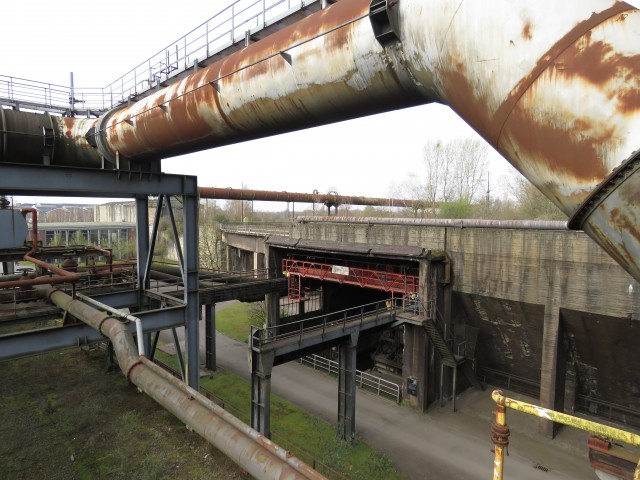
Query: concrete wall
column 548, row 304
column 533, row 294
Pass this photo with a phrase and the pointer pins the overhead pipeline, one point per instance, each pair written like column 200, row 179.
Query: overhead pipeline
column 323, row 198
column 258, row 455
column 553, row 86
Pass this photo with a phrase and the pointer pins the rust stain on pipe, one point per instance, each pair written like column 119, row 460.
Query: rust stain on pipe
column 559, row 98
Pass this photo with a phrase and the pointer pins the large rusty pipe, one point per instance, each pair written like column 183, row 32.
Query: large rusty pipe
column 44, row 139
column 559, row 99
column 553, row 86
column 442, row 222
column 327, row 199
column 255, row 453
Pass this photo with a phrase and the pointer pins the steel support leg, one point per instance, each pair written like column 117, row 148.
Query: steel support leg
column 142, row 237
column 347, row 389
column 261, row 366
column 190, row 269
column 210, row 334
column 455, row 376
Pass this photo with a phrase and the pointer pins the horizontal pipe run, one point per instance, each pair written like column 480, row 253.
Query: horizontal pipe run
column 441, row 222
column 326, row 199
column 258, row 456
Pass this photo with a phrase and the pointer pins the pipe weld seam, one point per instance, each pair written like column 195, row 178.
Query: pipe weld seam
column 130, row 369
column 102, row 322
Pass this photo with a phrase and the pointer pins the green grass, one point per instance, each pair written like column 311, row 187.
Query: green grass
column 306, row 436
column 234, row 321
column 65, row 417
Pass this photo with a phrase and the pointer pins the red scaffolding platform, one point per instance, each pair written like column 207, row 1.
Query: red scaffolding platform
column 387, row 281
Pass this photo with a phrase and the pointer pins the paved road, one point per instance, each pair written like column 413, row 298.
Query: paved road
column 437, row 445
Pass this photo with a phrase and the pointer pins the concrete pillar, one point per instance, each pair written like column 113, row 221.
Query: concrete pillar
column 210, row 336
column 255, row 264
column 261, row 366
column 229, row 261
column 347, row 389
column 272, row 309
column 553, row 368
column 415, row 367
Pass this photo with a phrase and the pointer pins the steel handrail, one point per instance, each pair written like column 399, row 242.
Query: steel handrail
column 225, row 28
column 261, row 336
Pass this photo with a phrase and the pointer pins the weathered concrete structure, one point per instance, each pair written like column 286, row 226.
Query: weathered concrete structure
column 557, row 317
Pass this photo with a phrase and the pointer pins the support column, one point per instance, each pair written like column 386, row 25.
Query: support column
column 261, row 366
column 228, row 259
column 210, row 334
column 347, row 389
column 190, row 273
column 272, row 309
column 553, row 368
column 142, row 238
column 415, row 367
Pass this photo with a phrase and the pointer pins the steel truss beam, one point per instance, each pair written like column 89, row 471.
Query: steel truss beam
column 39, row 341
column 65, row 181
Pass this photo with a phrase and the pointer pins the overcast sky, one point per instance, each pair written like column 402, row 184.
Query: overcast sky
column 99, row 42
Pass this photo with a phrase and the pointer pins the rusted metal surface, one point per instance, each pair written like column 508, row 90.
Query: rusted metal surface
column 324, row 68
column 603, row 431
column 500, row 439
column 259, row 456
column 558, row 97
column 40, row 138
column 611, row 458
column 327, row 199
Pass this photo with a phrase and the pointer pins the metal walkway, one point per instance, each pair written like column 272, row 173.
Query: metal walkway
column 228, row 31
column 297, row 339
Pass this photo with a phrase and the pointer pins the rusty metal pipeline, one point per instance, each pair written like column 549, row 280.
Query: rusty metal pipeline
column 258, row 455
column 556, row 94
column 324, row 198
column 442, row 222
column 559, row 99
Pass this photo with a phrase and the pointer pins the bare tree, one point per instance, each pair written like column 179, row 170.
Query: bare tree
column 454, row 175
column 211, row 248
column 531, row 204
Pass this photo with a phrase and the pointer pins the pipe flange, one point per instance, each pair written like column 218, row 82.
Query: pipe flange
column 134, row 365
column 97, row 134
column 102, row 322
column 602, row 191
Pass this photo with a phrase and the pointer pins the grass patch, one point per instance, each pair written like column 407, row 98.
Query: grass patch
column 306, row 436
column 66, row 417
column 235, row 321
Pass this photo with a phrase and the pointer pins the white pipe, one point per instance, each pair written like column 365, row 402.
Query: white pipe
column 117, row 313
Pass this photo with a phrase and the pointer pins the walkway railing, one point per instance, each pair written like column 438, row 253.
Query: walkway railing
column 380, row 386
column 259, row 229
column 361, row 314
column 226, row 28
